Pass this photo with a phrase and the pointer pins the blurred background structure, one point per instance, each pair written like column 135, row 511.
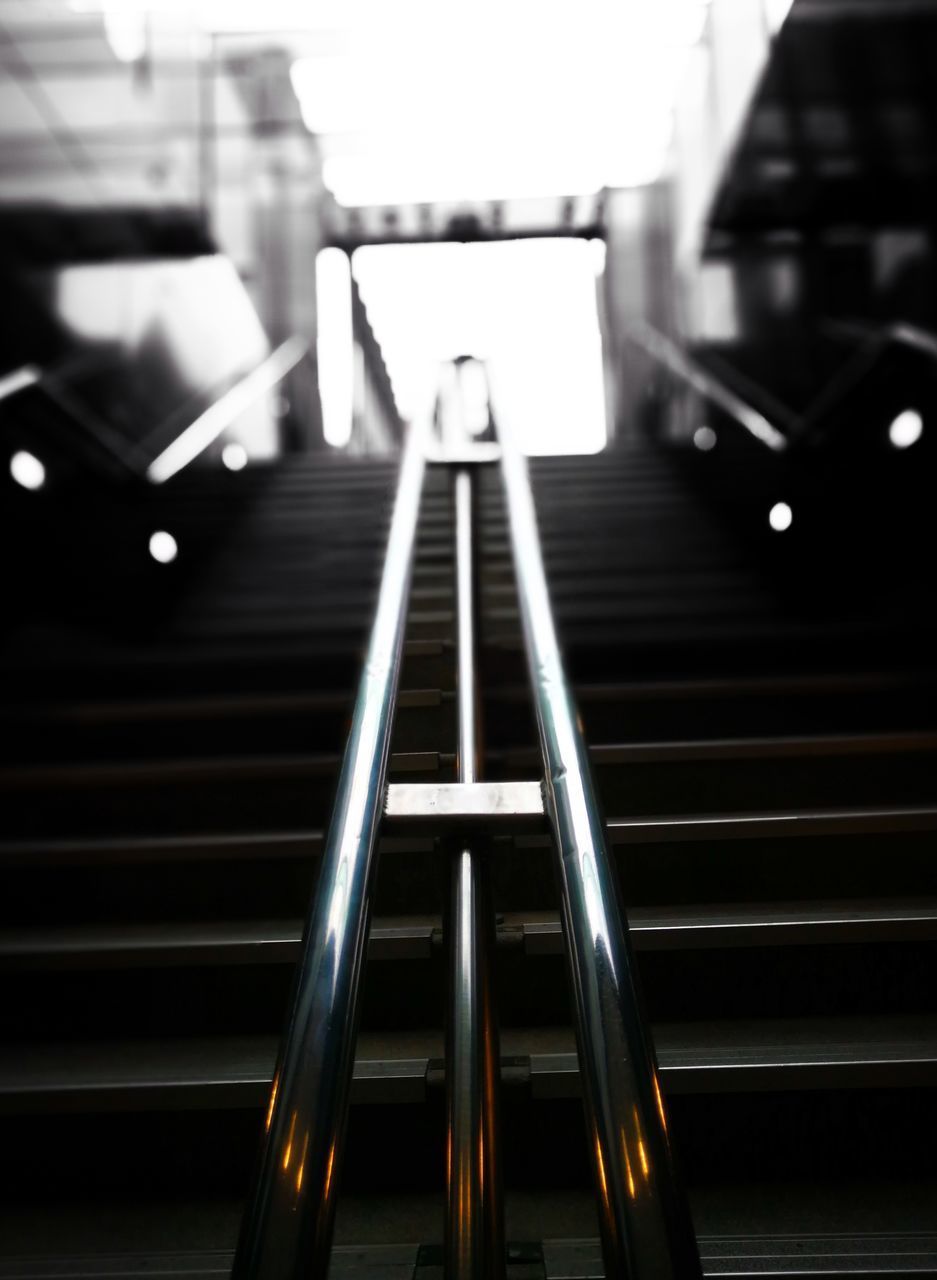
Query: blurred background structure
column 682, row 253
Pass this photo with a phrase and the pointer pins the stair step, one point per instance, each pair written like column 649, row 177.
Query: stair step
column 818, row 746
column 652, row 829
column 209, row 942
column 768, row 826
column 751, row 1256
column 694, row 1058
column 537, row 933
column 755, row 925
column 744, row 1257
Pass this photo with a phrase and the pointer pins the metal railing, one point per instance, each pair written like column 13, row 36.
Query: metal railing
column 690, row 371
column 872, row 343
column 134, row 458
column 95, row 437
column 221, row 413
column 287, row 1229
column 18, row 380
column 474, row 1215
column 643, row 1211
column 812, row 422
column 646, row 1228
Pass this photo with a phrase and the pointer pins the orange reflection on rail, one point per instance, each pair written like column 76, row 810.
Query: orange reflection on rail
column 600, row 1163
column 328, row 1172
column 273, row 1099
column 642, row 1150
column 288, row 1149
column 302, row 1165
column 632, row 1189
column 660, row 1101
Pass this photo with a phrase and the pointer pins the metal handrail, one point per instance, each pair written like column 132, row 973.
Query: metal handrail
column 193, row 440
column 643, row 1212
column 17, row 380
column 219, row 415
column 48, row 383
column 875, row 340
column 286, row 1231
column 907, row 335
column 474, row 1211
column 692, row 372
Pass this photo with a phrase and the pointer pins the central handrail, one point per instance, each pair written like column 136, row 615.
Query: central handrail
column 287, row 1228
column 643, row 1212
column 474, row 1210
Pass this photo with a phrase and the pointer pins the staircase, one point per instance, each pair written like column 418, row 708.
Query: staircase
column 765, row 756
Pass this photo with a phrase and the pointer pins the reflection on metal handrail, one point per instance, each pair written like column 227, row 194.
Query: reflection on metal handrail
column 287, row 1228
column 209, row 425
column 643, row 1213
column 669, row 354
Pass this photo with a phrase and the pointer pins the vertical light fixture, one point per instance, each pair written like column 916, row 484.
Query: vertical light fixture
column 335, row 345
column 125, row 26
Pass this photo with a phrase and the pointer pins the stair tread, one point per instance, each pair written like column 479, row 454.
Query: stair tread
column 188, row 940
column 717, row 924
column 729, row 1048
column 745, row 748
column 649, row 828
column 564, row 1259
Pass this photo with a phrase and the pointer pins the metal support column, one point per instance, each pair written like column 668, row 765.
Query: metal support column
column 474, row 1220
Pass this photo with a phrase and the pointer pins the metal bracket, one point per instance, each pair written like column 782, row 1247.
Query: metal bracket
column 443, row 805
column 462, row 455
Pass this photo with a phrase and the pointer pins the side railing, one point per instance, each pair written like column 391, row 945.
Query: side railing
column 690, row 371
column 814, row 423
column 221, row 413
column 149, row 458
column 647, row 1233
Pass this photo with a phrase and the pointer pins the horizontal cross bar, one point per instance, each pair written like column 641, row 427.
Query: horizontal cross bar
column 477, row 451
column 447, row 804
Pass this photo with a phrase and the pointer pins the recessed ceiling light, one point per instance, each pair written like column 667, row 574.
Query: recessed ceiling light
column 906, row 429
column 27, row 470
column 234, row 456
column 163, row 547
column 780, row 517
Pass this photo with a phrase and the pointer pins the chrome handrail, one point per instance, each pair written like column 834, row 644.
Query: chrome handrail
column 286, row 1231
column 219, row 415
column 474, row 1211
column 875, row 340
column 17, row 380
column 907, row 335
column 48, row 383
column 643, row 1212
column 692, row 372
column 192, row 440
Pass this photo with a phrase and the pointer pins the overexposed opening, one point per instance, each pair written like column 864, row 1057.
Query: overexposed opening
column 527, row 308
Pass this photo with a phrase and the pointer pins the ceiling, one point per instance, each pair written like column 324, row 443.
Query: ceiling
column 423, row 109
